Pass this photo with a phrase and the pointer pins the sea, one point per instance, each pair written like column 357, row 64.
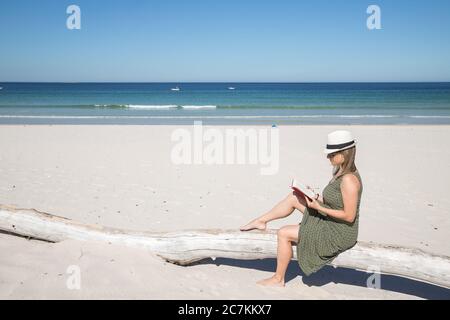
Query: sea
column 225, row 103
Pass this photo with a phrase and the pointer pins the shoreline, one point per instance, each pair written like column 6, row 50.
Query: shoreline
column 240, row 124
column 233, row 125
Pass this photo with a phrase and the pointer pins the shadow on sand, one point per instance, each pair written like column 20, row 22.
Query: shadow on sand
column 330, row 274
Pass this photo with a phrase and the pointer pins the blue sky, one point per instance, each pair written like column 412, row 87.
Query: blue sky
column 232, row 40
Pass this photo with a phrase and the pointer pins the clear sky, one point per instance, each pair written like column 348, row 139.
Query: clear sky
column 224, row 40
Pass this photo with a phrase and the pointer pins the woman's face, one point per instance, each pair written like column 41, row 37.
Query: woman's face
column 336, row 158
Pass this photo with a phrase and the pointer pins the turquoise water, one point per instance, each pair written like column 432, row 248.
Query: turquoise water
column 224, row 103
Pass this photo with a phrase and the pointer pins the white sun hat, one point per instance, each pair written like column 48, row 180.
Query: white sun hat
column 339, row 140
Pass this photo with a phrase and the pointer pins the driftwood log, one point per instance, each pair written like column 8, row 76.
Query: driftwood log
column 187, row 246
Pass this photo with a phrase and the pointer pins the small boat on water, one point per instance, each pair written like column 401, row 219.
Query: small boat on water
column 175, row 89
column 231, row 88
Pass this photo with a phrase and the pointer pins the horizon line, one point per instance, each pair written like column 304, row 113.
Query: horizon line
column 174, row 82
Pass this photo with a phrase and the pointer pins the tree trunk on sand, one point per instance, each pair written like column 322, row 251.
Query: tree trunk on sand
column 187, row 246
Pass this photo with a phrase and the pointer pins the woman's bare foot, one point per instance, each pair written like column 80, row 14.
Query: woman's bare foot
column 254, row 224
column 273, row 281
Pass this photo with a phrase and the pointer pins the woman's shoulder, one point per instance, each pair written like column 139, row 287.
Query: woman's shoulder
column 351, row 178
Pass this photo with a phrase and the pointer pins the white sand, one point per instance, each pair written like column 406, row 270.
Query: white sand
column 122, row 176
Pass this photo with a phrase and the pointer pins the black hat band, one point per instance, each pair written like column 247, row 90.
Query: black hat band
column 339, row 146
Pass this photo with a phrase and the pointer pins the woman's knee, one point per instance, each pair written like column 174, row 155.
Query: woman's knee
column 288, row 233
column 283, row 232
column 292, row 199
column 297, row 201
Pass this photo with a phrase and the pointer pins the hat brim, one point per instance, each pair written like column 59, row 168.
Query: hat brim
column 328, row 151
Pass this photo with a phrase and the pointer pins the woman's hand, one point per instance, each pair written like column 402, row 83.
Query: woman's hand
column 317, row 195
column 314, row 204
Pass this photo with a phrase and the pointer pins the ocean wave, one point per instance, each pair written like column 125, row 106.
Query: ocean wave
column 198, row 107
column 232, row 107
column 155, row 107
column 151, row 107
column 111, row 106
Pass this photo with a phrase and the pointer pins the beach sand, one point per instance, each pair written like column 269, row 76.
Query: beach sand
column 123, row 176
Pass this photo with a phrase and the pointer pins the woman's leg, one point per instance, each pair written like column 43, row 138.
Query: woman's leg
column 286, row 235
column 284, row 208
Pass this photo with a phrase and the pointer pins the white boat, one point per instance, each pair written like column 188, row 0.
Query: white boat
column 231, row 88
column 175, row 89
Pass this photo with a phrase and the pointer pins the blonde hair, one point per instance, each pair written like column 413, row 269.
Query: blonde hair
column 348, row 166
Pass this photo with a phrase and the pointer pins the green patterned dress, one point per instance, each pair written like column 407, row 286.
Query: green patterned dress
column 322, row 237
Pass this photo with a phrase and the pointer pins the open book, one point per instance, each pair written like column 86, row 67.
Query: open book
column 302, row 189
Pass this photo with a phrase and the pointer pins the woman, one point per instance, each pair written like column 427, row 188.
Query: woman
column 330, row 223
